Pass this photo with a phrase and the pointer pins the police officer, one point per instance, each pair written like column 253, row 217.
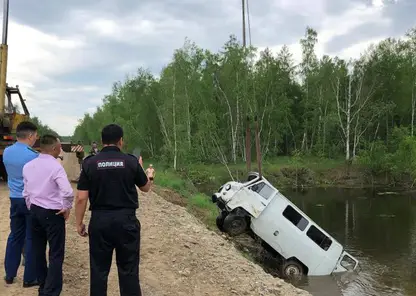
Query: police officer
column 109, row 180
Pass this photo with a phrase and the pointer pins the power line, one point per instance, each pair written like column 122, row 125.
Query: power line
column 248, row 22
column 243, row 11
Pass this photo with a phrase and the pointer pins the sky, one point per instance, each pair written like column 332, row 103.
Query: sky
column 66, row 55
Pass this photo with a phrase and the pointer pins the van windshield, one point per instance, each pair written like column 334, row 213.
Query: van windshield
column 263, row 190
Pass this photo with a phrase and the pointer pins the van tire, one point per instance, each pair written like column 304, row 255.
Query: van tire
column 220, row 220
column 235, row 224
column 291, row 270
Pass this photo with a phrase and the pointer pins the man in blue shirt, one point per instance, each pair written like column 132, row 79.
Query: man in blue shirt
column 14, row 158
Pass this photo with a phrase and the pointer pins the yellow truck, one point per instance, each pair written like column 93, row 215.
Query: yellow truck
column 9, row 116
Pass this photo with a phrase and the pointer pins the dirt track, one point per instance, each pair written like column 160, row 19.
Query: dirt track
column 179, row 257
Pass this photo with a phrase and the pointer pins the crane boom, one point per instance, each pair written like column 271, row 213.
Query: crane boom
column 3, row 58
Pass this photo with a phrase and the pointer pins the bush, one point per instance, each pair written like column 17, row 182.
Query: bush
column 405, row 157
column 376, row 159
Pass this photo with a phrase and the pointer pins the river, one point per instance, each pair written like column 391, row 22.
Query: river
column 379, row 230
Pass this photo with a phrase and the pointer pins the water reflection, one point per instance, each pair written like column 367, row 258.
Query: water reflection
column 379, row 230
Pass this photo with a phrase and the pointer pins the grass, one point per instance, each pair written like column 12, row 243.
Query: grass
column 170, row 180
column 202, row 206
column 198, row 204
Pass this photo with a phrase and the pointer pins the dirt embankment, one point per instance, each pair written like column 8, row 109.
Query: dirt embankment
column 179, row 257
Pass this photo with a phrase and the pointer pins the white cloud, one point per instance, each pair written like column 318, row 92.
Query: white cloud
column 377, row 3
column 140, row 28
column 35, row 59
column 357, row 49
column 382, row 3
column 358, row 15
column 331, row 27
column 33, row 55
column 104, row 27
column 307, row 8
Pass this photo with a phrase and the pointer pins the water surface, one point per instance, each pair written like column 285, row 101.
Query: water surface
column 379, row 230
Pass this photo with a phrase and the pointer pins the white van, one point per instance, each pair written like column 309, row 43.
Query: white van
column 305, row 248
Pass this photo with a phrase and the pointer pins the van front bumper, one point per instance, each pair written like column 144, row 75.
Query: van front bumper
column 215, row 197
column 217, row 200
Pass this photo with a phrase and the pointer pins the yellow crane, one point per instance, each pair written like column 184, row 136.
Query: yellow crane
column 9, row 117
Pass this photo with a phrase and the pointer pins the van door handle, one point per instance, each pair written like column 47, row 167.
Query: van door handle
column 276, row 233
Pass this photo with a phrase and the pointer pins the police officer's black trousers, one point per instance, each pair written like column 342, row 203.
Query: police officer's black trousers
column 47, row 227
column 119, row 230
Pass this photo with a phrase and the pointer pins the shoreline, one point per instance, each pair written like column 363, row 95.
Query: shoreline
column 287, row 175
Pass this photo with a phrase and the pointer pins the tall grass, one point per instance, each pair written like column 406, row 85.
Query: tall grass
column 196, row 203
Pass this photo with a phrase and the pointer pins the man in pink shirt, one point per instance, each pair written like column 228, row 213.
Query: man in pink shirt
column 49, row 198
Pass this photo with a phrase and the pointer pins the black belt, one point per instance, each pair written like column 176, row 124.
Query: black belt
column 126, row 211
column 36, row 207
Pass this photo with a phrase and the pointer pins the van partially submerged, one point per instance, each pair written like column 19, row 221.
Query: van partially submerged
column 304, row 247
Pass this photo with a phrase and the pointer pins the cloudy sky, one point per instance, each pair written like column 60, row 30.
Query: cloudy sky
column 65, row 55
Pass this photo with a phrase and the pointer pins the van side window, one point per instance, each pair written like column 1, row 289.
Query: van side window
column 297, row 219
column 263, row 189
column 319, row 238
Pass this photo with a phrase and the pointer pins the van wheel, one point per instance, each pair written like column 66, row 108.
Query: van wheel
column 235, row 224
column 292, row 270
column 220, row 220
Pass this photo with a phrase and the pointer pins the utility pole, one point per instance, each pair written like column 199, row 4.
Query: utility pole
column 248, row 132
column 244, row 21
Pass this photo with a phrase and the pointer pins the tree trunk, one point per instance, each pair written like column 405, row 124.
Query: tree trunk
column 188, row 115
column 413, row 110
column 348, row 123
column 175, row 143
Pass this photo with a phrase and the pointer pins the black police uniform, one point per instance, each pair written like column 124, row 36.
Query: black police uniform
column 111, row 178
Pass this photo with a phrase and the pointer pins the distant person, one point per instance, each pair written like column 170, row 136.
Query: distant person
column 14, row 158
column 60, row 157
column 80, row 156
column 151, row 173
column 49, row 197
column 109, row 181
column 94, row 149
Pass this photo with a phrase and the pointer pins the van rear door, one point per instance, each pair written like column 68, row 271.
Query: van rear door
column 345, row 263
